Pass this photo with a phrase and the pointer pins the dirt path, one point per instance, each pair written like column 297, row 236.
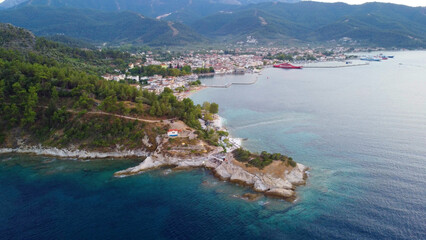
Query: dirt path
column 127, row 117
column 122, row 116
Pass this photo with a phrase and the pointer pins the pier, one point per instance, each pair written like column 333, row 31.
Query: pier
column 340, row 66
column 234, row 83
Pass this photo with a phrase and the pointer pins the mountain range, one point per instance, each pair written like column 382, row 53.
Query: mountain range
column 99, row 26
column 182, row 22
column 193, row 9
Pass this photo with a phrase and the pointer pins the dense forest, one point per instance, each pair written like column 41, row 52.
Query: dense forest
column 41, row 95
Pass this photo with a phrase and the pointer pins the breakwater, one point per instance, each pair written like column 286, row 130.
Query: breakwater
column 339, row 66
column 233, row 83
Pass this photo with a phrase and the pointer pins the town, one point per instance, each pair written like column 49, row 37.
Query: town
column 181, row 72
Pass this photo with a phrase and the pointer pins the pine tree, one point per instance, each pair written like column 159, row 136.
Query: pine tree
column 29, row 113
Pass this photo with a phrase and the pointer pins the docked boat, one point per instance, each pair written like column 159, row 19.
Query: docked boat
column 287, row 66
column 385, row 57
column 369, row 58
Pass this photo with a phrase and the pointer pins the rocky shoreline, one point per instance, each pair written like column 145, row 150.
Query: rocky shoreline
column 73, row 153
column 282, row 186
column 278, row 179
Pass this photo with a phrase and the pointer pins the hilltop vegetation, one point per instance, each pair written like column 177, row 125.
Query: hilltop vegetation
column 89, row 60
column 54, row 103
column 16, row 38
column 261, row 160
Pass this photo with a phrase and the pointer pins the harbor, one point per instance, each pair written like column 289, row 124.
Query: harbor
column 339, row 66
column 232, row 83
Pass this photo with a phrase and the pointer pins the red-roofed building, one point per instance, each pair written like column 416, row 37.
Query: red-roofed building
column 173, row 133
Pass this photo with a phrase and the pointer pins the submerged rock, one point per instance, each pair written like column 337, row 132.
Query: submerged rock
column 251, row 196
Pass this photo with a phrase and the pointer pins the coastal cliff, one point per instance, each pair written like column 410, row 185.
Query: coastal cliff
column 282, row 186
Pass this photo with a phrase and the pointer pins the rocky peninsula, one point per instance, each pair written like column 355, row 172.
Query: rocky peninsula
column 272, row 184
column 187, row 151
column 278, row 179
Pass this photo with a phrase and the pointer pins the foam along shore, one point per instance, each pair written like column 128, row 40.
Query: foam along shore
column 280, row 186
column 73, row 153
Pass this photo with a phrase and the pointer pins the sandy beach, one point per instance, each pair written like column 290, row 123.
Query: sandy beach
column 188, row 93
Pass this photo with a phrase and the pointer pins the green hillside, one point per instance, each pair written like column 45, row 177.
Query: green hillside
column 374, row 23
column 48, row 101
column 184, row 10
column 96, row 26
column 16, row 38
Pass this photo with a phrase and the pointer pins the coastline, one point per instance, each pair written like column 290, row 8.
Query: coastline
column 276, row 180
column 73, row 153
column 268, row 184
column 266, row 181
column 191, row 91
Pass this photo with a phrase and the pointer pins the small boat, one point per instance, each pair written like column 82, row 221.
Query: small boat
column 369, row 58
column 287, row 66
column 384, row 57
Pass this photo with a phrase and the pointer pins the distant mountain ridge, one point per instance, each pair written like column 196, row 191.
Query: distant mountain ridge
column 97, row 26
column 373, row 23
column 151, row 8
column 223, row 21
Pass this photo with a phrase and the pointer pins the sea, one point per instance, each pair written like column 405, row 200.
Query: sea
column 361, row 130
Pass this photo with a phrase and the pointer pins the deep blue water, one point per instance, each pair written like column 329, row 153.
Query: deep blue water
column 362, row 130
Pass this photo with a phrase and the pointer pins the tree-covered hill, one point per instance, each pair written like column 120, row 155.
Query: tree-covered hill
column 16, row 38
column 373, row 23
column 96, row 26
column 89, row 60
column 48, row 101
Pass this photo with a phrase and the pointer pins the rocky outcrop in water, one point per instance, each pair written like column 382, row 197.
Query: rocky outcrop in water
column 282, row 186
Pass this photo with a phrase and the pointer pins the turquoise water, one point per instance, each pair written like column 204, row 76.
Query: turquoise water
column 362, row 130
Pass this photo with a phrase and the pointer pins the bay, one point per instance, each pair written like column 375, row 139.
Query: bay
column 361, row 130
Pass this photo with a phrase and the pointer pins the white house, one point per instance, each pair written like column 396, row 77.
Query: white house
column 173, row 133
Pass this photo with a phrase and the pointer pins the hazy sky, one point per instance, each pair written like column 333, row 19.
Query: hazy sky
column 414, row 3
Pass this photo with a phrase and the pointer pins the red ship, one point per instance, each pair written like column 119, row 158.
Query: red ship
column 287, row 66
